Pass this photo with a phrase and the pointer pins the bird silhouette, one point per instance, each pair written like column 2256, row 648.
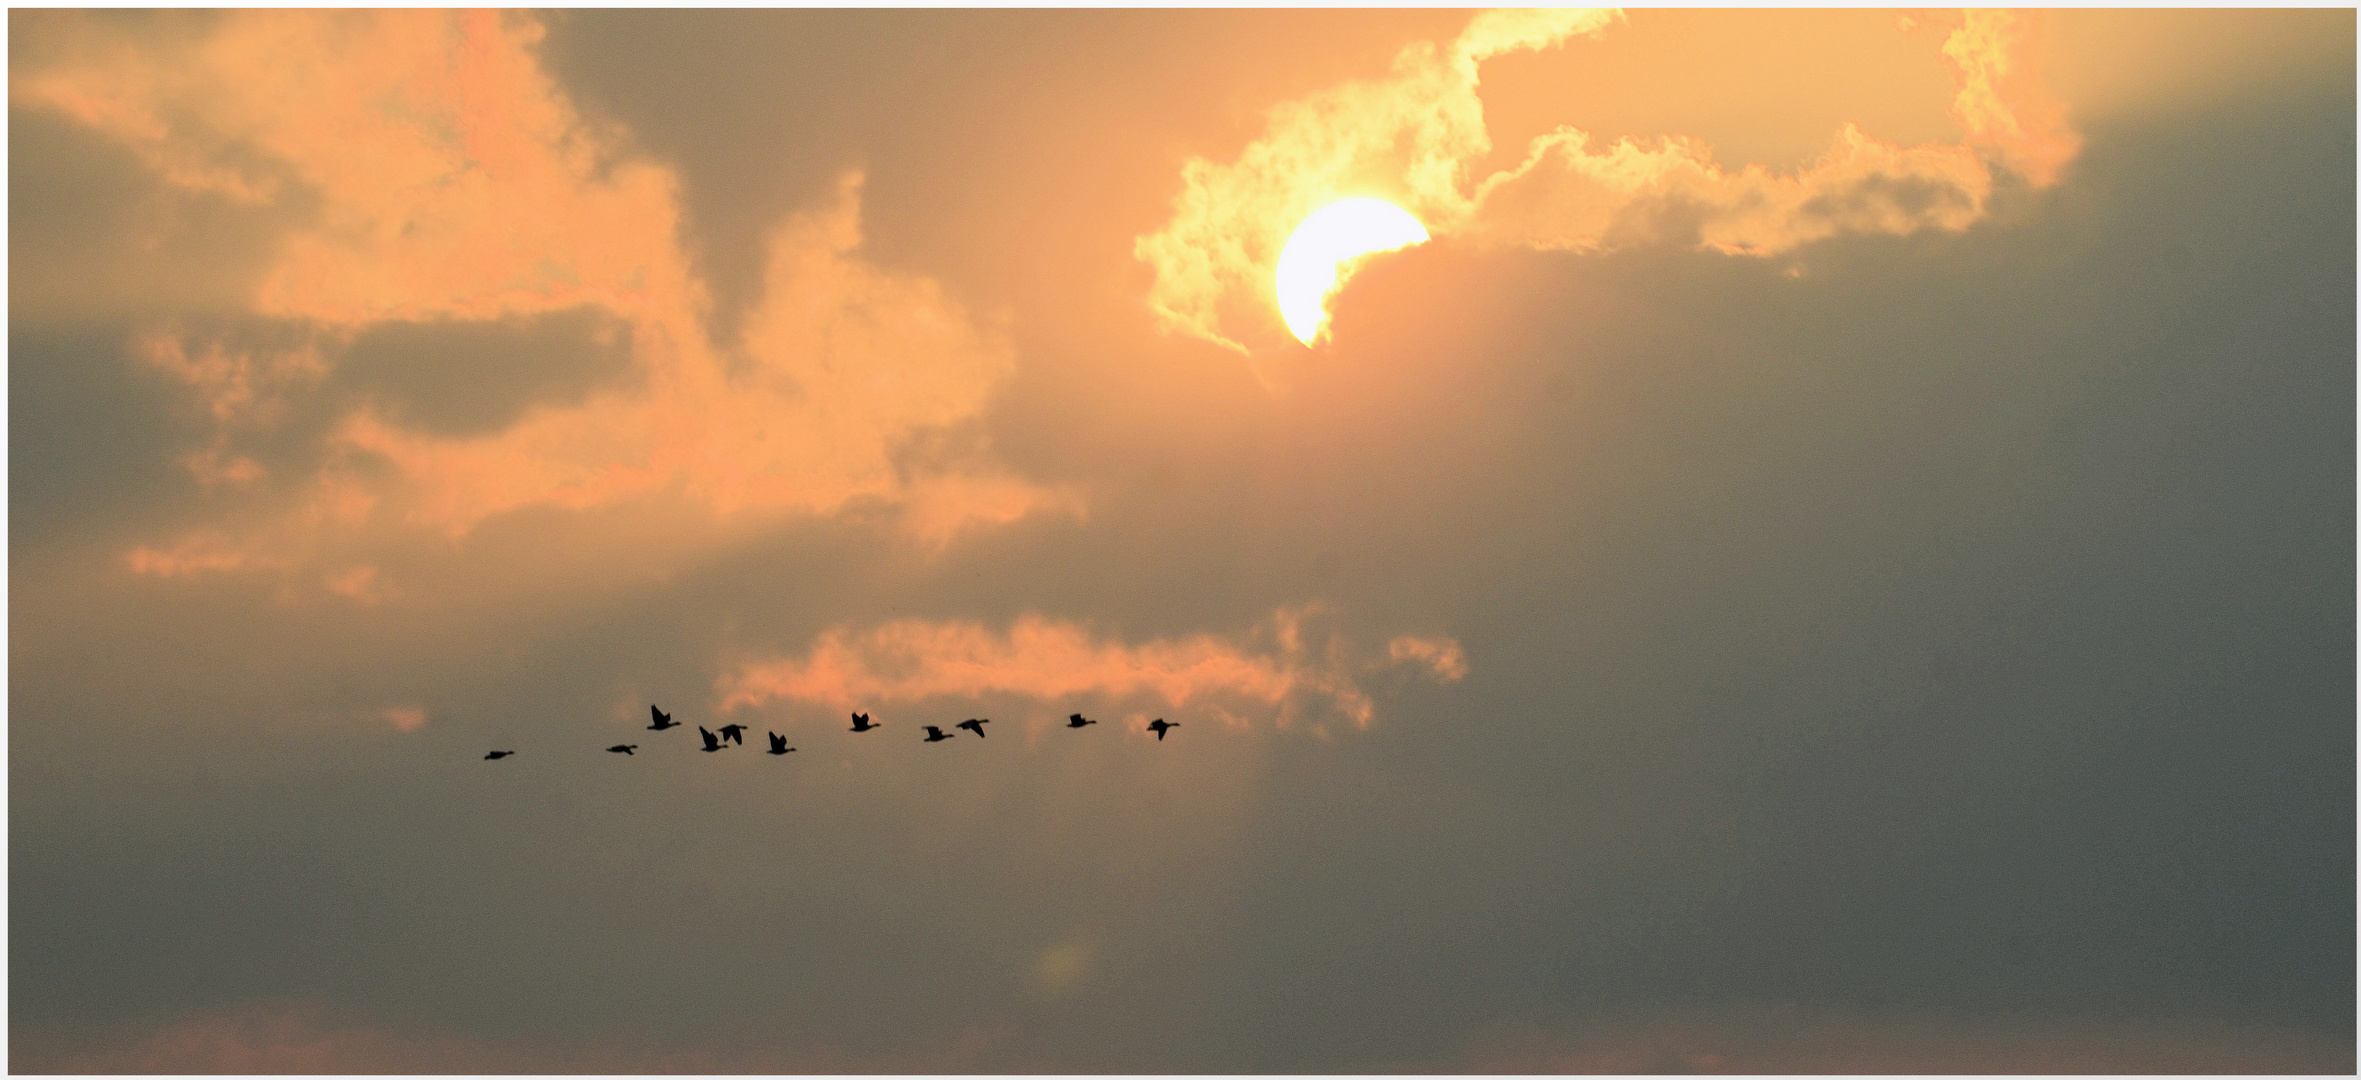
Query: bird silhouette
column 1076, row 720
column 663, row 719
column 497, row 755
column 976, row 726
column 735, row 733
column 711, row 743
column 935, row 734
column 861, row 722
column 1160, row 727
column 622, row 748
column 779, row 744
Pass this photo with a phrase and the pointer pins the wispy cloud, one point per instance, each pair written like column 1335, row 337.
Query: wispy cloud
column 404, row 717
column 1291, row 665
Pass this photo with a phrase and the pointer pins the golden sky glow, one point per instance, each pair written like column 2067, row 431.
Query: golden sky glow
column 1765, row 490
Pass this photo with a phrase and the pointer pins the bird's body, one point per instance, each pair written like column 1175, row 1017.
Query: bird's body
column 497, row 755
column 711, row 742
column 662, row 719
column 976, row 726
column 1160, row 727
column 1076, row 721
column 935, row 734
column 622, row 748
column 861, row 722
column 779, row 744
column 735, row 733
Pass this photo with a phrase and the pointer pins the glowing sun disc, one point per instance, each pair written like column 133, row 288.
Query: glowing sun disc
column 1312, row 265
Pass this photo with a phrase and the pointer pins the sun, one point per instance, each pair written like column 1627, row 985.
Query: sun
column 1315, row 261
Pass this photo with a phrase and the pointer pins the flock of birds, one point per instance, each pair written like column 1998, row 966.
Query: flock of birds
column 735, row 734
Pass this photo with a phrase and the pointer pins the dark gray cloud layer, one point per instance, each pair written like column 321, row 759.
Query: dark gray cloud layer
column 1962, row 628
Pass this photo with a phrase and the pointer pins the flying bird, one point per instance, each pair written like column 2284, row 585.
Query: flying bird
column 711, row 744
column 1076, row 720
column 735, row 733
column 1160, row 727
column 861, row 722
column 976, row 726
column 663, row 719
column 497, row 755
column 935, row 734
column 622, row 748
column 779, row 744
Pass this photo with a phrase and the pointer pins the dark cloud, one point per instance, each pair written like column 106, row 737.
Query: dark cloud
column 92, row 435
column 94, row 233
column 467, row 378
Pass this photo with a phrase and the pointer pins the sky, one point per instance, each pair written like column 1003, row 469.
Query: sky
column 1836, row 555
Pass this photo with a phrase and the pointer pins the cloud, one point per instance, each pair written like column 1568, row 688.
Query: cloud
column 1442, row 655
column 193, row 555
column 2000, row 101
column 850, row 366
column 1292, row 665
column 434, row 175
column 1414, row 136
column 239, row 386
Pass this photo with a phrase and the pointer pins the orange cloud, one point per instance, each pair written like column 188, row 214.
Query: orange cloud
column 238, row 386
column 1413, row 137
column 1442, row 656
column 2000, row 101
column 1274, row 671
column 193, row 555
column 358, row 584
column 447, row 179
column 851, row 364
column 214, row 467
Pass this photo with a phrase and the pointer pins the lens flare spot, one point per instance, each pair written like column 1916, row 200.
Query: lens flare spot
column 1064, row 964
